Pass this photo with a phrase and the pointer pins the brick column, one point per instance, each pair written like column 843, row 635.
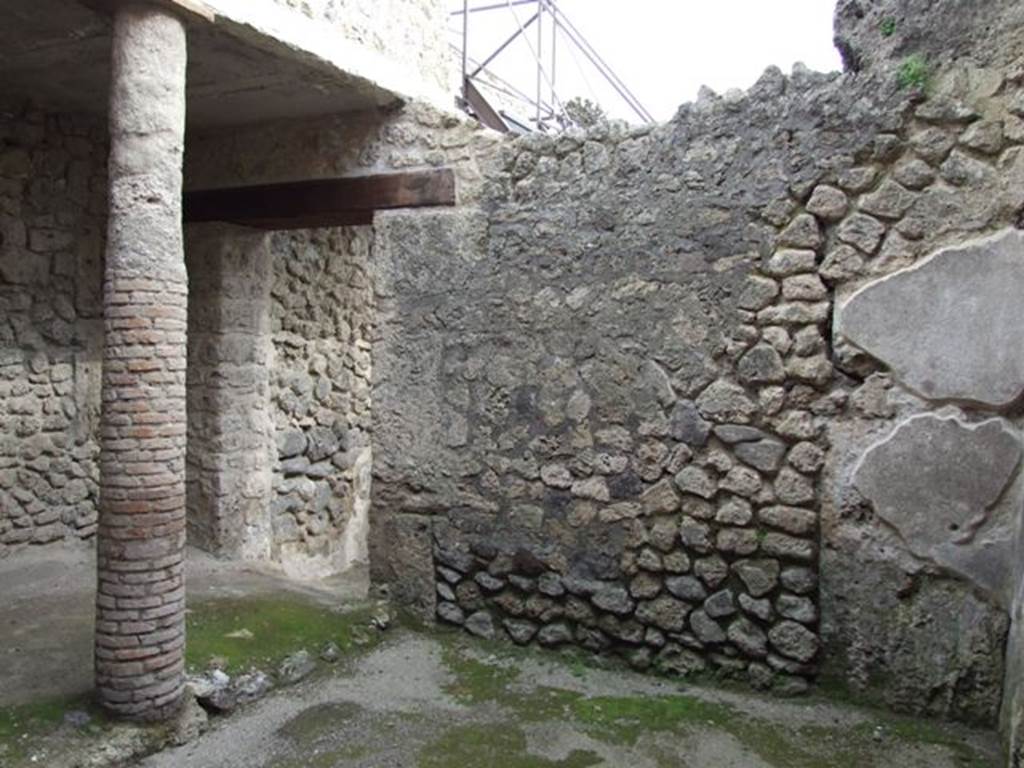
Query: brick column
column 140, row 601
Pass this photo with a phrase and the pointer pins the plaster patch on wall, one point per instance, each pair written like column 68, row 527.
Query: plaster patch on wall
column 958, row 319
column 936, row 480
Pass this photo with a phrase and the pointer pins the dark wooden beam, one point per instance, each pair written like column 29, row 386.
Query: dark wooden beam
column 483, row 110
column 320, row 202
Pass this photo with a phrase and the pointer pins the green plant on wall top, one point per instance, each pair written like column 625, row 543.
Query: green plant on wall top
column 888, row 26
column 913, row 72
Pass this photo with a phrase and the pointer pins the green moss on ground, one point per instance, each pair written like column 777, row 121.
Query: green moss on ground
column 23, row 728
column 623, row 720
column 260, row 632
column 626, row 720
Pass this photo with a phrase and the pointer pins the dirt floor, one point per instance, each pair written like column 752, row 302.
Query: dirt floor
column 47, row 604
column 407, row 697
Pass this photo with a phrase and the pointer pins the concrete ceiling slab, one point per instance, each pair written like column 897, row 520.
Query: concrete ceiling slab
column 56, row 53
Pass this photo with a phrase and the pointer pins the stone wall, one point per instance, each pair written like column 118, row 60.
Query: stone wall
column 52, row 217
column 230, row 425
column 614, row 406
column 323, row 309
column 600, row 392
column 279, row 395
column 322, row 323
column 1012, row 715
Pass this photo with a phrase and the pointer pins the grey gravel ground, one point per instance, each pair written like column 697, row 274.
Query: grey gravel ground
column 413, row 702
column 438, row 699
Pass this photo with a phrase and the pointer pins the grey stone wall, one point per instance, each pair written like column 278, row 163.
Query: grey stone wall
column 52, row 217
column 322, row 322
column 614, row 406
column 323, row 312
column 604, row 391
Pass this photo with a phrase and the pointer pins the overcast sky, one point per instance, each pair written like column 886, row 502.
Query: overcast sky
column 663, row 50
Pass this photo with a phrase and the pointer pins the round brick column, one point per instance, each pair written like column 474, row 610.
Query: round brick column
column 140, row 601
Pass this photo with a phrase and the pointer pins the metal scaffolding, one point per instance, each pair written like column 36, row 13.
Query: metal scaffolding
column 545, row 109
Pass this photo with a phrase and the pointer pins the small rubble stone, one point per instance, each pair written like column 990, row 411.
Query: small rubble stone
column 550, row 584
column 761, row 365
column 795, row 520
column 806, row 457
column 556, row 476
column 759, row 576
column 758, row 608
column 705, row 628
column 797, row 608
column 521, row 631
column 788, row 261
column 696, row 481
column 781, row 545
column 725, row 402
column 614, row 599
column 889, row 201
column 595, row 488
column 984, row 136
column 802, row 232
column 748, row 637
column 649, row 560
column 793, row 640
column 712, row 570
column 738, row 433
column 676, row 562
column 804, row 288
column 480, row 624
column 686, row 588
column 555, row 634
column 695, row 535
column 296, row 667
column 758, row 292
column 914, row 174
column 828, row 203
column 765, row 455
column 743, row 481
column 661, row 498
column 842, row 263
column 860, row 179
column 687, row 425
column 861, row 231
column 664, row 612
column 735, row 511
column 644, row 586
column 488, row 583
column 793, row 488
column 794, row 313
column 450, row 612
column 720, row 604
column 807, row 341
column 738, row 541
column 800, row 580
column 932, row 144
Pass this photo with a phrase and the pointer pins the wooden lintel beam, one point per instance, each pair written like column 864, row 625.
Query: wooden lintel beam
column 320, row 202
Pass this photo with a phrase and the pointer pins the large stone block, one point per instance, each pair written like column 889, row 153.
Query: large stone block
column 949, row 327
column 936, row 480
